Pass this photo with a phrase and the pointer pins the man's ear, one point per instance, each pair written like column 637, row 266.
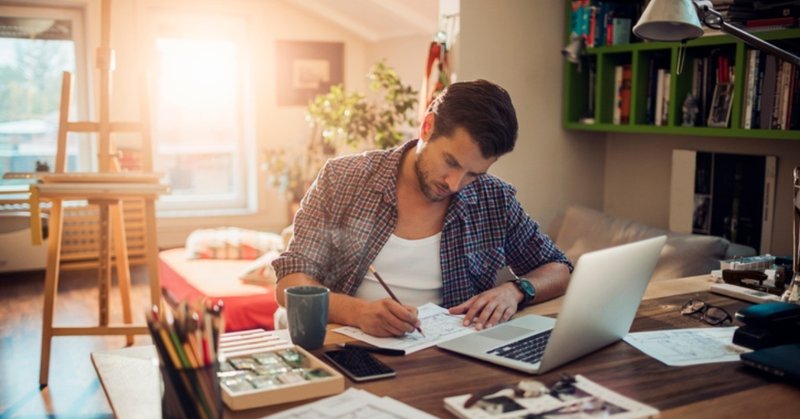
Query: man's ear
column 426, row 127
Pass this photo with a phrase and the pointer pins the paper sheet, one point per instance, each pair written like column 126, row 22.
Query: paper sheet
column 354, row 403
column 437, row 324
column 680, row 347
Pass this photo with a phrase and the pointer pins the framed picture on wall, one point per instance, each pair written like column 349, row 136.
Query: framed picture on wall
column 306, row 69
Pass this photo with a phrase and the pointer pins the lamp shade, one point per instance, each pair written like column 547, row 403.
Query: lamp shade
column 669, row 20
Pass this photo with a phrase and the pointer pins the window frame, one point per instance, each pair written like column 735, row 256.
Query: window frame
column 243, row 198
column 81, row 94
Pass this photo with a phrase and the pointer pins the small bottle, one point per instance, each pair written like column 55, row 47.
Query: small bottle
column 792, row 294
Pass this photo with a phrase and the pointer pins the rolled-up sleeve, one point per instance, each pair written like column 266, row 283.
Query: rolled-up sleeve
column 527, row 246
column 310, row 247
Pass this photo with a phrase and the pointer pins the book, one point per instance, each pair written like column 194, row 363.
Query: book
column 652, row 82
column 616, row 117
column 622, row 31
column 659, row 99
column 794, row 115
column 779, row 361
column 665, row 99
column 755, row 116
column 625, row 95
column 588, row 399
column 750, row 79
column 768, row 94
column 786, row 93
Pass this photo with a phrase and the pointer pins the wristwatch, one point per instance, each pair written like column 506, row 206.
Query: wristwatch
column 527, row 289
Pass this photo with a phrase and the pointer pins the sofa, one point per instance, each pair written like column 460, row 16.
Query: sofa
column 578, row 230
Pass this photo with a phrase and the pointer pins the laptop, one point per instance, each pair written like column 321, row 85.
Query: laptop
column 599, row 307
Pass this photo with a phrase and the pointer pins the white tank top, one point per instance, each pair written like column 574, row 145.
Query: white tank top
column 411, row 268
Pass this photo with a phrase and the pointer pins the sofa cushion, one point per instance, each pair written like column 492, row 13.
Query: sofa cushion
column 689, row 254
column 584, row 230
column 231, row 243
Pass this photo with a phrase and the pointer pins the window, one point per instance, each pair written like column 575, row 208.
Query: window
column 36, row 46
column 202, row 118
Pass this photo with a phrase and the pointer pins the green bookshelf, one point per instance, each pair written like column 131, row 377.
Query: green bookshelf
column 638, row 55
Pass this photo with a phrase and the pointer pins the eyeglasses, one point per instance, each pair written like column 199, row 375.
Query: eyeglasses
column 710, row 314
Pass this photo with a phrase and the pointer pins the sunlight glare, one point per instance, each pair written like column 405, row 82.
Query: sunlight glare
column 197, row 76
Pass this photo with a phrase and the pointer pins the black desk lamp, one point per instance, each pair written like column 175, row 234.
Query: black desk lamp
column 679, row 20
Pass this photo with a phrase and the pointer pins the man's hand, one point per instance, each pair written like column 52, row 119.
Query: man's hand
column 490, row 307
column 387, row 318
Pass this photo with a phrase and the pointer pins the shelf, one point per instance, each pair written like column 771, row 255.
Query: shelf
column 597, row 96
column 681, row 130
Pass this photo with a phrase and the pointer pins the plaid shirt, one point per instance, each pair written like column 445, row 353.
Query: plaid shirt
column 350, row 212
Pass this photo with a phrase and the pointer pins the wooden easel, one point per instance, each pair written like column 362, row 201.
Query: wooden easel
column 107, row 189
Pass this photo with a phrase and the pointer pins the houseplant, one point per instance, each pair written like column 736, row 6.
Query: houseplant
column 344, row 122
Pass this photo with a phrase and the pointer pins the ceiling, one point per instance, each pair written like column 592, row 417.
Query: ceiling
column 377, row 20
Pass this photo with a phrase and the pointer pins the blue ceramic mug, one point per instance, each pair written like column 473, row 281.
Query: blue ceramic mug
column 307, row 312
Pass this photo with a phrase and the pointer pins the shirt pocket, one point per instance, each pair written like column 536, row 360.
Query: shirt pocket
column 483, row 266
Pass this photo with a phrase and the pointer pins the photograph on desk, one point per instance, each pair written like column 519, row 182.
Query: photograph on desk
column 569, row 397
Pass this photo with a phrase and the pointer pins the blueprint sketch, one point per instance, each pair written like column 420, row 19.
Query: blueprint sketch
column 354, row 404
column 437, row 324
column 679, row 347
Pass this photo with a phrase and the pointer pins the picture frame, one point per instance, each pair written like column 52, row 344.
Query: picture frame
column 720, row 111
column 306, row 69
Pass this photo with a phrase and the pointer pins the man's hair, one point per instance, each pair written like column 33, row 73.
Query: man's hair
column 483, row 109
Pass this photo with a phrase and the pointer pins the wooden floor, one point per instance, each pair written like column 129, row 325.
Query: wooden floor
column 74, row 390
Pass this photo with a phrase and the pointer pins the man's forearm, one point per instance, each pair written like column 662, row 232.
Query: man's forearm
column 550, row 281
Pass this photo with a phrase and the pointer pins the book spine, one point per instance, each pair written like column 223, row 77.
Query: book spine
column 750, row 78
column 617, row 115
column 665, row 97
column 659, row 97
column 652, row 82
column 622, row 31
column 625, row 94
column 794, row 116
column 786, row 94
column 768, row 94
column 780, row 88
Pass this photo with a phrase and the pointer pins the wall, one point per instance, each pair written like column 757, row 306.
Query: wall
column 638, row 175
column 406, row 55
column 517, row 43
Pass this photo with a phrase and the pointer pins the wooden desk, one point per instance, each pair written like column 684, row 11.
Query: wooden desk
column 130, row 377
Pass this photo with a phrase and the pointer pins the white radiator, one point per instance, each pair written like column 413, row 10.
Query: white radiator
column 17, row 253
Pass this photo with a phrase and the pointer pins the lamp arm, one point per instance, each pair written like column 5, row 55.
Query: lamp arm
column 714, row 20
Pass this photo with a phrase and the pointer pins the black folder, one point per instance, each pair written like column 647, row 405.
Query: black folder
column 780, row 361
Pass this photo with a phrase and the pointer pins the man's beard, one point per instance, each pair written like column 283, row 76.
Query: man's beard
column 427, row 187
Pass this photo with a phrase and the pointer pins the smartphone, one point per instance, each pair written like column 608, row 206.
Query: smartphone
column 359, row 364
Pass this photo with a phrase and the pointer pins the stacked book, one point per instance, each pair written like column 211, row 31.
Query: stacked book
column 712, row 87
column 603, row 23
column 658, row 85
column 622, row 94
column 759, row 13
column 771, row 93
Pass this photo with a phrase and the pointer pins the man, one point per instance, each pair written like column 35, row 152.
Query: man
column 430, row 220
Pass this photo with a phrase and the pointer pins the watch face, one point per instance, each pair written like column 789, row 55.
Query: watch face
column 526, row 288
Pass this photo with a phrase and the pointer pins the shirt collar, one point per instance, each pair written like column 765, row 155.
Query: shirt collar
column 387, row 180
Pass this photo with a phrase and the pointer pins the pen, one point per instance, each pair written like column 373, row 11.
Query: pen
column 388, row 290
column 377, row 350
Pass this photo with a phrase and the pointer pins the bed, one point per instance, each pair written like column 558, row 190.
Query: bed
column 247, row 306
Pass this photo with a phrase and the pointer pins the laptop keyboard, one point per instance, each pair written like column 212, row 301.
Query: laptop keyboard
column 529, row 349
